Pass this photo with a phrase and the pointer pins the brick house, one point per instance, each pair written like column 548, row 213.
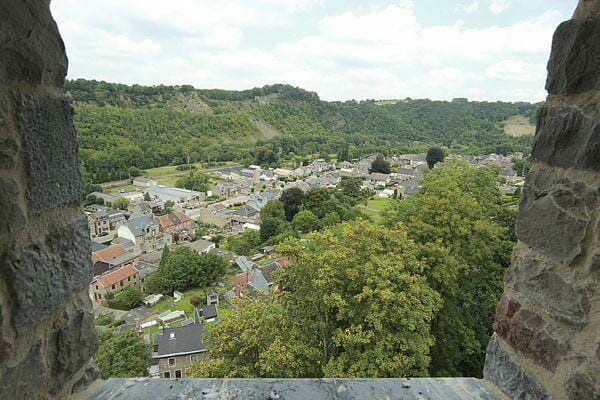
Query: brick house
column 103, row 221
column 175, row 349
column 114, row 281
column 111, row 257
column 145, row 233
column 178, row 223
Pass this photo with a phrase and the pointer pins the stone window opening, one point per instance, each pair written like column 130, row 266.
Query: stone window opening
column 551, row 291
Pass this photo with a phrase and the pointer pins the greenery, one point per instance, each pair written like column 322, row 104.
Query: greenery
column 434, row 155
column 458, row 216
column 194, row 181
column 347, row 311
column 130, row 297
column 122, row 126
column 122, row 355
column 184, row 268
column 380, row 165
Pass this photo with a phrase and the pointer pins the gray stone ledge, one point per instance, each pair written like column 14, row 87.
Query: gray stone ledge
column 293, row 389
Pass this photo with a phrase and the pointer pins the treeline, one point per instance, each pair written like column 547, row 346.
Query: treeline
column 121, row 126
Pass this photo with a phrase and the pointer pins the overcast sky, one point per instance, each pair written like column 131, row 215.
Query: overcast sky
column 342, row 49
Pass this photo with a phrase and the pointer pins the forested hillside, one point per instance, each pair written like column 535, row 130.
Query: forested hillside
column 121, row 126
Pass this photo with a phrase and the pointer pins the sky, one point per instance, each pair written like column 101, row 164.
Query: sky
column 341, row 49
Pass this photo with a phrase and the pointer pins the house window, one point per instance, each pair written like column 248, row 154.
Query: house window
column 167, row 374
column 193, row 358
column 128, row 279
column 113, row 287
column 177, row 373
column 172, row 362
column 121, row 283
column 96, row 287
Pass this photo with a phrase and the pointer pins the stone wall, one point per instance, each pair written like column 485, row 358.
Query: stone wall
column 47, row 334
column 547, row 328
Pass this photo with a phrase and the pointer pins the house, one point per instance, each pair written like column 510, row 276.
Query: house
column 253, row 279
column 200, row 246
column 152, row 299
column 139, row 316
column 110, row 257
column 378, row 178
column 114, row 281
column 103, row 221
column 126, row 243
column 175, row 349
column 145, row 270
column 177, row 223
column 143, row 182
column 210, row 313
column 176, row 195
column 145, row 233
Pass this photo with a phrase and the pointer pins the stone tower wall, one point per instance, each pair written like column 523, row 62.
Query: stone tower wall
column 47, row 334
column 547, row 328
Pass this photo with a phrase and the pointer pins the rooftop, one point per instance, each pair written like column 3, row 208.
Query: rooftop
column 183, row 340
column 117, row 275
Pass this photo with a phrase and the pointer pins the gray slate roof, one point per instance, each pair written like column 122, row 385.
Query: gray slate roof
column 186, row 340
column 138, row 223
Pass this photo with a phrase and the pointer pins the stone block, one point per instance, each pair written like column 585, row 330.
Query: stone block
column 575, row 56
column 24, row 375
column 11, row 215
column 31, row 48
column 46, row 273
column 567, row 138
column 555, row 214
column 72, row 342
column 581, row 386
column 50, row 145
column 513, row 380
column 528, row 333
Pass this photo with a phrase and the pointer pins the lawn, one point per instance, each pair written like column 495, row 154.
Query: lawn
column 168, row 303
column 374, row 207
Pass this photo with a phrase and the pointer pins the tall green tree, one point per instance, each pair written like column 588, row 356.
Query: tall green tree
column 434, row 155
column 380, row 165
column 122, row 355
column 347, row 311
column 459, row 209
column 291, row 199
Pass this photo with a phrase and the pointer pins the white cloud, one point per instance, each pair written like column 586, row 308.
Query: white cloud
column 469, row 8
column 498, row 6
column 378, row 53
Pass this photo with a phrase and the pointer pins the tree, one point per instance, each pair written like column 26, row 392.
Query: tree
column 195, row 180
column 147, row 197
column 247, row 244
column 130, row 297
column 91, row 199
column 121, row 203
column 380, row 165
column 168, row 206
column 122, row 355
column 291, row 199
column 184, row 268
column 266, row 158
column 347, row 311
column 305, row 221
column 434, row 155
column 458, row 211
column 351, row 187
column 269, row 227
column 273, row 209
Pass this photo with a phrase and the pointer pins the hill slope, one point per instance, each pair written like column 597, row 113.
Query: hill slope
column 120, row 126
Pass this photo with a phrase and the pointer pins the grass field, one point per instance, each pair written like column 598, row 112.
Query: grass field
column 374, row 207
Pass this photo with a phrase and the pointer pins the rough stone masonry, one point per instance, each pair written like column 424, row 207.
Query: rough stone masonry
column 47, row 335
column 547, row 328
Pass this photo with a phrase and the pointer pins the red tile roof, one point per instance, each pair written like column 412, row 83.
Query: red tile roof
column 117, row 275
column 109, row 253
column 173, row 219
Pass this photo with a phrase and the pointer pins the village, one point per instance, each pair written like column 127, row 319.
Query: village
column 133, row 224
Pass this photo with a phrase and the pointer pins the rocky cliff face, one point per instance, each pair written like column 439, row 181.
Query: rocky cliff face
column 47, row 334
column 547, row 329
